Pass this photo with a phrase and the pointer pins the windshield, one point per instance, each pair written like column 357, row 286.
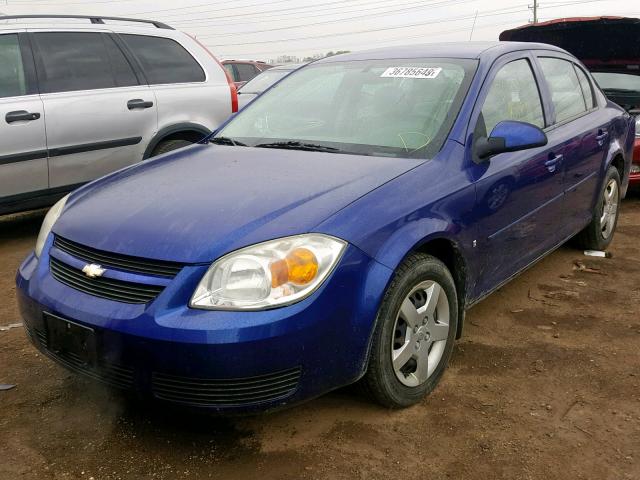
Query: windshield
column 263, row 81
column 398, row 108
column 617, row 81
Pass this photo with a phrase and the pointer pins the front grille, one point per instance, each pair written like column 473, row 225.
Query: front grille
column 118, row 290
column 111, row 374
column 115, row 260
column 239, row 391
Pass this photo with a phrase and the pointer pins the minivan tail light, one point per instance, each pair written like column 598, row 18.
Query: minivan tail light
column 232, row 86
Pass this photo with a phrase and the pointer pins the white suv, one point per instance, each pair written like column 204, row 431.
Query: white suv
column 85, row 96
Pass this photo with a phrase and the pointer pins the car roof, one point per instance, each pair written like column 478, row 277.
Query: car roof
column 472, row 50
column 288, row 66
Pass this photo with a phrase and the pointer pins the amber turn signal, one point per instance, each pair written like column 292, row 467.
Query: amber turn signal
column 299, row 267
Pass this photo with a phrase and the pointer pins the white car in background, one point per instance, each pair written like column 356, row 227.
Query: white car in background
column 264, row 80
column 83, row 96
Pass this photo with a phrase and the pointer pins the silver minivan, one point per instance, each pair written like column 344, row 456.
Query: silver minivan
column 81, row 97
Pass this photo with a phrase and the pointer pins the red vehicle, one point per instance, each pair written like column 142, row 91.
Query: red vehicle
column 241, row 71
column 608, row 47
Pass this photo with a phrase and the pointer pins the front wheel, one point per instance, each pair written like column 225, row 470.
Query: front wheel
column 599, row 233
column 415, row 333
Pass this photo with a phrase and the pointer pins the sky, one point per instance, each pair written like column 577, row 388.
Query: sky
column 263, row 30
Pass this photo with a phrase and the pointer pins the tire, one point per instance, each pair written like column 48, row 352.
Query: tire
column 390, row 380
column 169, row 145
column 599, row 233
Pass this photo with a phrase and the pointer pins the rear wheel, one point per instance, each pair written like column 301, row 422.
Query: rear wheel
column 415, row 333
column 169, row 145
column 599, row 233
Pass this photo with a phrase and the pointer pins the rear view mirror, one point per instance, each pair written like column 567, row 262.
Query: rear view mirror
column 510, row 136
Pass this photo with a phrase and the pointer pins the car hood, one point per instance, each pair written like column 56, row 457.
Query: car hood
column 196, row 204
column 583, row 38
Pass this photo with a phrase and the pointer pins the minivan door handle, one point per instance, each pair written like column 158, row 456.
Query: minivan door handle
column 21, row 116
column 553, row 161
column 138, row 103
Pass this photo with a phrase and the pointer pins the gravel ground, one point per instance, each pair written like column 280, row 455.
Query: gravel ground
column 544, row 384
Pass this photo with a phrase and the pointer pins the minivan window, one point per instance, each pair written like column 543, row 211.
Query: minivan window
column 246, row 71
column 587, row 91
column 395, row 107
column 231, row 71
column 164, row 60
column 513, row 95
column 566, row 93
column 70, row 61
column 12, row 79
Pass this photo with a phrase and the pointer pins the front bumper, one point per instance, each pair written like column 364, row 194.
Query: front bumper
column 216, row 360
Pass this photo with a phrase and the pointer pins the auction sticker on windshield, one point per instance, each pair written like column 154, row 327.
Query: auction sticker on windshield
column 411, row 72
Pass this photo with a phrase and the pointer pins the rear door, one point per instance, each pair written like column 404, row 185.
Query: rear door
column 583, row 130
column 187, row 93
column 23, row 153
column 100, row 115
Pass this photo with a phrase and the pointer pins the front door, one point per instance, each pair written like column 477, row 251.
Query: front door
column 23, row 154
column 100, row 116
column 519, row 194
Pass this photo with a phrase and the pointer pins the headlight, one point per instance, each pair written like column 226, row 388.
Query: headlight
column 270, row 274
column 638, row 126
column 47, row 224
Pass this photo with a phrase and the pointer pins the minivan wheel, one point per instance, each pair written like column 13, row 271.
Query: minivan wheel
column 599, row 233
column 415, row 333
column 169, row 145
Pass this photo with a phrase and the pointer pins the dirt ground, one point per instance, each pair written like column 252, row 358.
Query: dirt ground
column 545, row 384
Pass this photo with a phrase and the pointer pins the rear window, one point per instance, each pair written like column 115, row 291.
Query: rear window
column 246, row 71
column 566, row 92
column 12, row 80
column 164, row 60
column 69, row 61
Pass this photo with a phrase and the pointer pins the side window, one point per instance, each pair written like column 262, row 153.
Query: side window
column 566, row 93
column 231, row 71
column 71, row 61
column 246, row 71
column 164, row 60
column 587, row 91
column 513, row 95
column 12, row 79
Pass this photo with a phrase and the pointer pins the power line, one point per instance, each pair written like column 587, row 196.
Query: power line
column 246, row 6
column 325, row 22
column 376, row 44
column 381, row 29
column 325, row 12
column 210, row 4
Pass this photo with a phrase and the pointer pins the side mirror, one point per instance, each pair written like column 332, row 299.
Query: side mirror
column 510, row 136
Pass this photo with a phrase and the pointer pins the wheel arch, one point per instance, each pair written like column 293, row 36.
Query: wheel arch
column 192, row 132
column 441, row 244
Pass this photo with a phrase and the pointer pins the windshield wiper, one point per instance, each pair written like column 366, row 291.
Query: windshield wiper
column 294, row 145
column 227, row 141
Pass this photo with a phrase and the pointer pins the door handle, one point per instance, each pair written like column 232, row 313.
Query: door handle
column 602, row 136
column 21, row 116
column 138, row 103
column 553, row 162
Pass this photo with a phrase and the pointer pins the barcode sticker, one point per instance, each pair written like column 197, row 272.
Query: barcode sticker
column 411, row 72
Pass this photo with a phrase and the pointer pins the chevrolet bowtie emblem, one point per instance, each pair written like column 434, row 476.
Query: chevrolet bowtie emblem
column 92, row 270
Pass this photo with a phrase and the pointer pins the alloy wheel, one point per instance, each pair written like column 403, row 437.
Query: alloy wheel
column 420, row 333
column 609, row 209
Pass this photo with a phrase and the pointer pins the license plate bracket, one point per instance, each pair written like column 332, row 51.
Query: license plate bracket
column 69, row 339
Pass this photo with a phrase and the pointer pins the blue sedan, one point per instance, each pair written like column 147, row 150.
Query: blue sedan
column 333, row 231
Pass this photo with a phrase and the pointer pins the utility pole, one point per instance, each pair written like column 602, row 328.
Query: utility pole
column 534, row 7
